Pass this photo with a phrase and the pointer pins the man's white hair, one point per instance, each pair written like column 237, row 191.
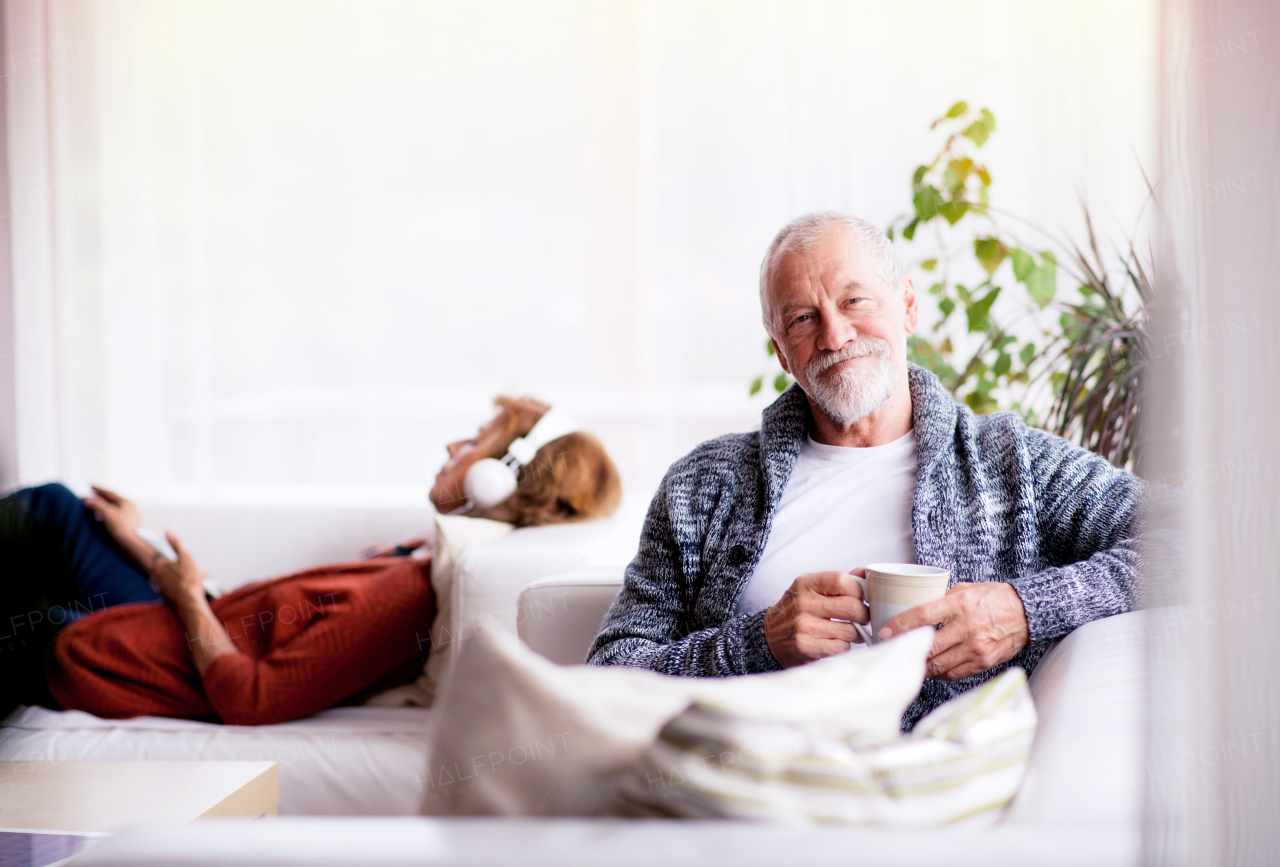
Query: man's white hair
column 804, row 231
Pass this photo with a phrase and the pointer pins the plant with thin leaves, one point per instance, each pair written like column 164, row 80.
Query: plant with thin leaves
column 1096, row 369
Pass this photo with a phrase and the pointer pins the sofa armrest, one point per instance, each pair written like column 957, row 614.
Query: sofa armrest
column 560, row 615
column 1086, row 767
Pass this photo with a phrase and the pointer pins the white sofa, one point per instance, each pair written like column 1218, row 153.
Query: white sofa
column 342, row 761
column 1079, row 804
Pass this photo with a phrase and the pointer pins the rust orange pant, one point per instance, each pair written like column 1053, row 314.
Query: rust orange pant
column 327, row 636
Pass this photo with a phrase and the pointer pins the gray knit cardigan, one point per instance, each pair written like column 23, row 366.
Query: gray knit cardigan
column 995, row 500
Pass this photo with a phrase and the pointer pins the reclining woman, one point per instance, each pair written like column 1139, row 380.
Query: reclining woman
column 265, row 653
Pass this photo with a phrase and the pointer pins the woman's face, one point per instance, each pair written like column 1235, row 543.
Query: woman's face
column 447, row 493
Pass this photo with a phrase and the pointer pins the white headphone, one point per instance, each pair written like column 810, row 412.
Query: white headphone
column 490, row 480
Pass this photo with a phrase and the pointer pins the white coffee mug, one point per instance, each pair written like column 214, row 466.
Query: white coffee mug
column 892, row 588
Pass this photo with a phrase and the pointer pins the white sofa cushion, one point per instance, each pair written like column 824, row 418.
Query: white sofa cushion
column 481, row 569
column 487, row 580
column 455, row 537
column 560, row 615
column 342, row 761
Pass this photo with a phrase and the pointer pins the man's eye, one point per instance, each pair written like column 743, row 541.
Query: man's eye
column 801, row 318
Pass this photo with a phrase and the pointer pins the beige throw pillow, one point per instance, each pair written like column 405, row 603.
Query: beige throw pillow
column 455, row 535
column 517, row 734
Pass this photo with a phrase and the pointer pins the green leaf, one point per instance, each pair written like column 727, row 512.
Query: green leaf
column 977, row 132
column 768, row 347
column 910, row 231
column 926, row 202
column 963, row 293
column 946, row 305
column 981, row 128
column 953, row 211
column 980, row 403
column 953, row 182
column 925, row 354
column 756, row 385
column 984, row 176
column 979, row 312
column 918, row 176
column 958, row 109
column 1027, row 354
column 780, row 384
column 957, row 173
column 929, row 264
column 990, row 253
column 936, row 289
column 1023, row 264
column 1042, row 283
column 920, row 351
column 1003, row 364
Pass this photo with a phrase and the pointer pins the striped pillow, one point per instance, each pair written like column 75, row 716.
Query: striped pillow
column 962, row 763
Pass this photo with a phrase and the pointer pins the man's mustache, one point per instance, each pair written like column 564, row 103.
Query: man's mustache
column 860, row 348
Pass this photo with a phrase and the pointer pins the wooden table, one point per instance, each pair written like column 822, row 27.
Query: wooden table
column 109, row 796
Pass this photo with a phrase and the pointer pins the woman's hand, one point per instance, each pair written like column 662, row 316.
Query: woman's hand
column 182, row 586
column 394, row 549
column 120, row 516
column 179, row 583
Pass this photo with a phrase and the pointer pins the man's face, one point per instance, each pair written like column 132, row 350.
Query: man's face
column 839, row 328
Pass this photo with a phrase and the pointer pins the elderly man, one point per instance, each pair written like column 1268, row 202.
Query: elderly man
column 745, row 558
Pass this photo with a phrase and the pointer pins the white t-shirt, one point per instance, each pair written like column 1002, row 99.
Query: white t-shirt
column 843, row 508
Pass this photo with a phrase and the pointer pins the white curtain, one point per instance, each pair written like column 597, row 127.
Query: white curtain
column 274, row 247
column 1212, row 770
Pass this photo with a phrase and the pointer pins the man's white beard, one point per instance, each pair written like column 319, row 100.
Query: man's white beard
column 854, row 392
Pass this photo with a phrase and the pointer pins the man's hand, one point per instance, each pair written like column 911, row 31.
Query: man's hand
column 799, row 627
column 983, row 625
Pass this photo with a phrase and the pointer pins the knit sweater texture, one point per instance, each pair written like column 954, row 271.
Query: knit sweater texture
column 995, row 500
